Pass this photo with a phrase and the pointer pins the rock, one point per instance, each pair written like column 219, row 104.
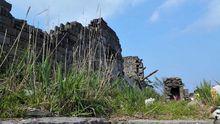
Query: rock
column 37, row 113
column 60, row 120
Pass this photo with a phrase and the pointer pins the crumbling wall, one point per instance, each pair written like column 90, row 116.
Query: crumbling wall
column 173, row 89
column 134, row 70
column 16, row 35
column 95, row 46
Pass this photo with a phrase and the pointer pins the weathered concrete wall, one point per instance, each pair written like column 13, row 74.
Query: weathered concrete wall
column 95, row 46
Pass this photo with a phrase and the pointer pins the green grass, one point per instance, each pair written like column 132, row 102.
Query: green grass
column 204, row 94
column 130, row 100
column 30, row 83
column 130, row 103
column 83, row 93
column 175, row 110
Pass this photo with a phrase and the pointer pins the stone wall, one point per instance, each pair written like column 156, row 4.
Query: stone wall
column 134, row 70
column 173, row 89
column 95, row 46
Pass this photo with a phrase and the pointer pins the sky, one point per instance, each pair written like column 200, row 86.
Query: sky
column 181, row 38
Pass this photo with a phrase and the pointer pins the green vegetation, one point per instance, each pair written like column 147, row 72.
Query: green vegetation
column 82, row 93
column 39, row 86
column 45, row 85
column 29, row 84
column 206, row 95
column 79, row 92
column 130, row 104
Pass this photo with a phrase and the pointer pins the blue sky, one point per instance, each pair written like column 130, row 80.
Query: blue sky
column 178, row 37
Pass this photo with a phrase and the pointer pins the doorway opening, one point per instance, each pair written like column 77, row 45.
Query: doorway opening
column 175, row 92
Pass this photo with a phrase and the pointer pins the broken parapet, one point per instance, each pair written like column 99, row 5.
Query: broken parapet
column 15, row 32
column 134, row 70
column 173, row 89
column 95, row 46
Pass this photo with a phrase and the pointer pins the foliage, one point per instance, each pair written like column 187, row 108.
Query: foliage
column 204, row 94
column 43, row 84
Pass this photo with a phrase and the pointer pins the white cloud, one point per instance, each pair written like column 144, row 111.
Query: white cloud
column 209, row 21
column 155, row 16
column 168, row 4
column 69, row 10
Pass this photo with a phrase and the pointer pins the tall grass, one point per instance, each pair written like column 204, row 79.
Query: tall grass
column 130, row 100
column 30, row 83
column 204, row 94
column 75, row 95
column 34, row 79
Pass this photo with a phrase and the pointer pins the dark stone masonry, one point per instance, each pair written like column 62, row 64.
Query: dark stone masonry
column 95, row 46
column 174, row 89
column 134, row 70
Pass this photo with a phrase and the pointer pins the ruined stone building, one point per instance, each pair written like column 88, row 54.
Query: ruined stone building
column 95, row 46
column 174, row 89
column 134, row 70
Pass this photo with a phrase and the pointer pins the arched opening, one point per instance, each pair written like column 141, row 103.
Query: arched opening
column 175, row 92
